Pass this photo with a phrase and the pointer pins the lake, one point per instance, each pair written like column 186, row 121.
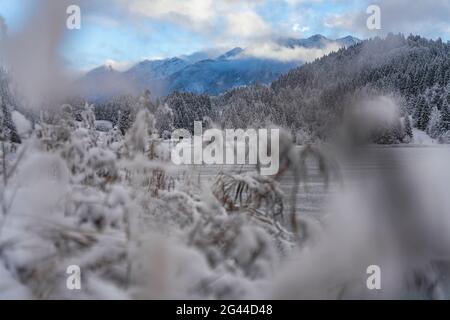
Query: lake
column 369, row 163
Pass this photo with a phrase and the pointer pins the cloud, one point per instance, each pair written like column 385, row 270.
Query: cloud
column 418, row 17
column 298, row 2
column 193, row 13
column 117, row 65
column 346, row 21
column 298, row 28
column 241, row 17
column 274, row 51
column 246, row 25
column 217, row 19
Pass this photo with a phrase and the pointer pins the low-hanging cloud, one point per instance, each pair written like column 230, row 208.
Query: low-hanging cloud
column 273, row 51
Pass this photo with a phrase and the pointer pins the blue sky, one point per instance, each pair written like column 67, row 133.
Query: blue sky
column 127, row 31
column 15, row 12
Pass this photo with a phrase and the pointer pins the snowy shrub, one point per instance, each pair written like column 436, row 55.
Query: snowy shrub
column 137, row 226
column 250, row 192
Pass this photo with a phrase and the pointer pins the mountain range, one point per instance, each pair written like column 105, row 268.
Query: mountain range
column 197, row 73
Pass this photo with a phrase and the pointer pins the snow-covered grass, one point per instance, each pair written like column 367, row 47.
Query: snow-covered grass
column 141, row 228
column 137, row 226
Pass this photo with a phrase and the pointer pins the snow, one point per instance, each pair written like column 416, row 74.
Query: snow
column 23, row 126
column 422, row 138
column 116, row 207
column 139, row 229
column 103, row 125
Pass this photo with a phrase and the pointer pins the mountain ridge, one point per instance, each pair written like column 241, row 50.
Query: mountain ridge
column 193, row 73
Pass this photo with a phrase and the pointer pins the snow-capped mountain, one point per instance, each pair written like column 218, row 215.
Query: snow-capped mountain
column 198, row 72
column 101, row 71
column 216, row 76
column 318, row 41
column 155, row 69
column 153, row 74
column 348, row 41
column 234, row 53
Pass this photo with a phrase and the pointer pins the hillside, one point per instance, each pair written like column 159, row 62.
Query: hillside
column 312, row 98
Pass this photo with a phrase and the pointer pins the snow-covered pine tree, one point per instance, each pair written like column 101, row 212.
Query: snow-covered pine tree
column 408, row 128
column 127, row 109
column 8, row 131
column 189, row 107
column 422, row 113
column 164, row 120
column 434, row 128
column 445, row 113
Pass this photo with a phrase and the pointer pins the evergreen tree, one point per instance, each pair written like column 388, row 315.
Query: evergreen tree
column 422, row 114
column 126, row 108
column 164, row 120
column 408, row 128
column 445, row 116
column 8, row 130
column 434, row 125
column 189, row 107
column 125, row 121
